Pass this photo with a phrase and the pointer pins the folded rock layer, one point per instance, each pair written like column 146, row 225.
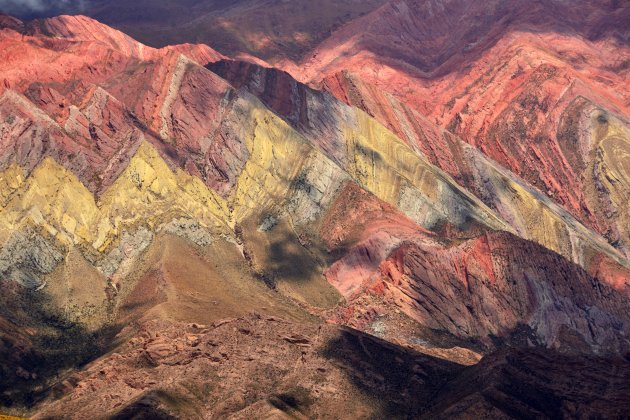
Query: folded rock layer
column 171, row 217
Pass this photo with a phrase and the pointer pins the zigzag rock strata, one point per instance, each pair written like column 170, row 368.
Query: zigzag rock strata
column 171, row 218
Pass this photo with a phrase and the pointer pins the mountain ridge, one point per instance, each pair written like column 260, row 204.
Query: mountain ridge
column 171, row 217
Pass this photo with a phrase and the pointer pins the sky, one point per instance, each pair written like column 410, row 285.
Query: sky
column 40, row 8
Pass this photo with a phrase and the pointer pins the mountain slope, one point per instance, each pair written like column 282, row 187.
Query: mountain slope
column 147, row 194
column 524, row 84
column 525, row 210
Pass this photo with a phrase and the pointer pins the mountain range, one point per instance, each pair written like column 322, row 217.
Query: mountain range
column 351, row 209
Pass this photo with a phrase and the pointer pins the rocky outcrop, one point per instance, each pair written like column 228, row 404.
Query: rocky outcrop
column 494, row 285
column 516, row 84
column 26, row 257
column 316, row 115
column 168, row 370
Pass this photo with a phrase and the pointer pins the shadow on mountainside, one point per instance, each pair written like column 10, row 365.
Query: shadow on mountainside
column 511, row 382
column 38, row 346
column 537, row 383
column 287, row 260
column 399, row 380
column 152, row 405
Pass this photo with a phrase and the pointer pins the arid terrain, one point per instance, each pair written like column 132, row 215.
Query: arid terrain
column 292, row 209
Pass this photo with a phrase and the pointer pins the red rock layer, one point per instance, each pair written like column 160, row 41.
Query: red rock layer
column 491, row 285
column 503, row 76
column 31, row 51
column 106, row 93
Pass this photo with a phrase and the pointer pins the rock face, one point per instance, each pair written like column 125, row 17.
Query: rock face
column 524, row 210
column 496, row 285
column 533, row 86
column 230, row 368
column 171, row 218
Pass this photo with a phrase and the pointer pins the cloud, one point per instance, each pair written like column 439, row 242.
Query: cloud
column 39, row 8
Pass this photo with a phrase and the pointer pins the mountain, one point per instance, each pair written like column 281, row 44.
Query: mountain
column 188, row 232
column 535, row 86
column 513, row 79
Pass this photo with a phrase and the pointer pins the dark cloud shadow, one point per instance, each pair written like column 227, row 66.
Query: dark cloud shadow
column 399, row 380
column 39, row 346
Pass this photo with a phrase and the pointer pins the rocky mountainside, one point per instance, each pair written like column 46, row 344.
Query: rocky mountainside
column 537, row 87
column 429, row 233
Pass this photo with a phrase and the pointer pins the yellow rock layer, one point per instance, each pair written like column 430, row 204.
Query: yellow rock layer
column 277, row 154
column 611, row 169
column 379, row 162
column 53, row 198
column 149, row 193
column 386, row 166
